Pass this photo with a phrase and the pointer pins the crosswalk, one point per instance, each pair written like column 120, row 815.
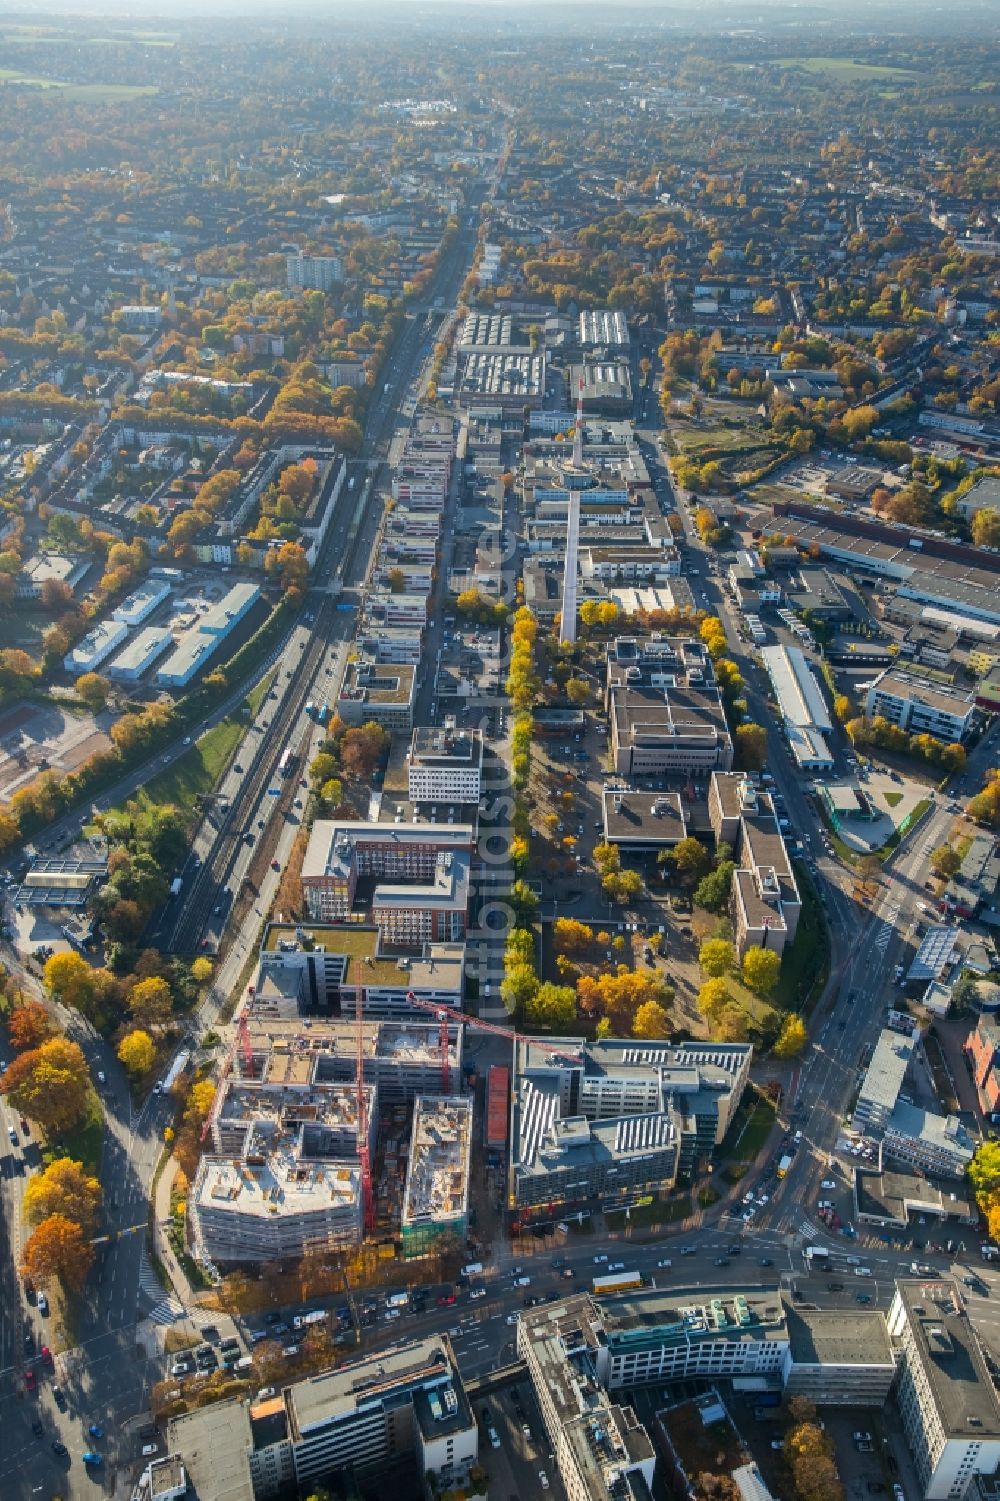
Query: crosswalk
column 166, row 1309
column 886, row 927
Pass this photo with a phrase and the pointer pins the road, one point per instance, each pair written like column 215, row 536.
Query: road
column 105, row 1377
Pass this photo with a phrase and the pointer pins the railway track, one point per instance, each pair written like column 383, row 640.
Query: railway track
column 214, row 873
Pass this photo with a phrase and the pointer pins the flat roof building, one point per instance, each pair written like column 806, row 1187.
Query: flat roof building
column 608, row 1122
column 921, row 707
column 837, row 1357
column 405, row 1404
column 445, row 766
column 764, row 897
column 883, row 1080
column 145, row 648
column 801, row 702
column 142, row 602
column 194, row 651
column 946, row 1396
column 95, row 647
column 379, row 692
column 340, row 854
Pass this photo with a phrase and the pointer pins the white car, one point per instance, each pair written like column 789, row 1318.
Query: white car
column 599, row 1259
column 512, row 1318
column 828, row 1183
column 478, row 1292
column 543, row 1480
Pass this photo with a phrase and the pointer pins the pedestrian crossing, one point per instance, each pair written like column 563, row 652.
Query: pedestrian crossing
column 886, row 927
column 166, row 1309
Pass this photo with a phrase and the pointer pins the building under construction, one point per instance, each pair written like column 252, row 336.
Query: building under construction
column 291, row 1136
column 436, row 1202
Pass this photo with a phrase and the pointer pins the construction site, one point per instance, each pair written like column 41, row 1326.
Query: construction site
column 436, row 1199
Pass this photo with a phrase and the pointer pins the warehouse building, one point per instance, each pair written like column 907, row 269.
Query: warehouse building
column 195, row 650
column 139, row 655
column 142, row 602
column 95, row 647
column 801, row 704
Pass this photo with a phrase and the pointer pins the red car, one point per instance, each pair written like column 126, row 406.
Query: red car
column 446, row 1300
column 46, row 1355
column 30, row 1381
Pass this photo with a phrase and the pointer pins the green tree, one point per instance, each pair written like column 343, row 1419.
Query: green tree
column 946, row 861
column 712, row 891
column 652, row 1021
column 751, row 746
column 691, row 860
column 552, row 1007
column 518, row 987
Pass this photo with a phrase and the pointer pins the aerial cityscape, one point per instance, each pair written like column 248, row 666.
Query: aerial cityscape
column 499, row 784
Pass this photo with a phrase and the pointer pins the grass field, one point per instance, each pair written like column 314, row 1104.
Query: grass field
column 84, row 1142
column 843, row 68
column 196, row 772
column 754, row 1132
column 690, row 439
column 95, row 92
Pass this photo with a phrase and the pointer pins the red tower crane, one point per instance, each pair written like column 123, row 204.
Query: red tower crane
column 447, row 1015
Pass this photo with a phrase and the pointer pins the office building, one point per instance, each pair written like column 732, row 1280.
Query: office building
column 445, row 766
column 410, row 914
column 837, row 1357
column 436, row 1198
column 883, row 1080
column 376, row 692
column 317, row 272
column 665, row 711
column 921, row 707
column 919, row 1138
column 602, row 1452
column 194, row 651
column 609, row 1122
column 946, row 1397
column 764, row 899
column 339, row 855
column 406, row 1405
column 316, row 970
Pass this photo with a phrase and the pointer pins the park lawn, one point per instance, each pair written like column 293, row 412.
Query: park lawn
column 690, row 440
column 660, row 1212
column 85, row 1142
column 95, row 92
column 843, row 67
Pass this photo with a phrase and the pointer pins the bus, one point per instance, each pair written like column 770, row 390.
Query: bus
column 616, row 1282
column 287, row 762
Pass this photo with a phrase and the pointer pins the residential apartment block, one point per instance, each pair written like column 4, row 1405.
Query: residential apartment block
column 946, row 1396
column 317, row 272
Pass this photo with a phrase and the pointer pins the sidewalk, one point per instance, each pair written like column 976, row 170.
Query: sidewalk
column 161, row 1244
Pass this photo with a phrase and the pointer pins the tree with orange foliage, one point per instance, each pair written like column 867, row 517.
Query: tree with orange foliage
column 49, row 1083
column 29, row 1026
column 57, row 1249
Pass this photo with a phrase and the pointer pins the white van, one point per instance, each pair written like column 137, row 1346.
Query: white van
column 473, row 1269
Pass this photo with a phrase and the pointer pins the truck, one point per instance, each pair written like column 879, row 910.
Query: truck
column 314, row 1316
column 176, row 885
column 616, row 1282
column 397, row 1300
column 784, row 1164
column 472, row 1269
column 817, row 1254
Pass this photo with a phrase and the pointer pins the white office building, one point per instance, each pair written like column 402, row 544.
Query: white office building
column 446, row 766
